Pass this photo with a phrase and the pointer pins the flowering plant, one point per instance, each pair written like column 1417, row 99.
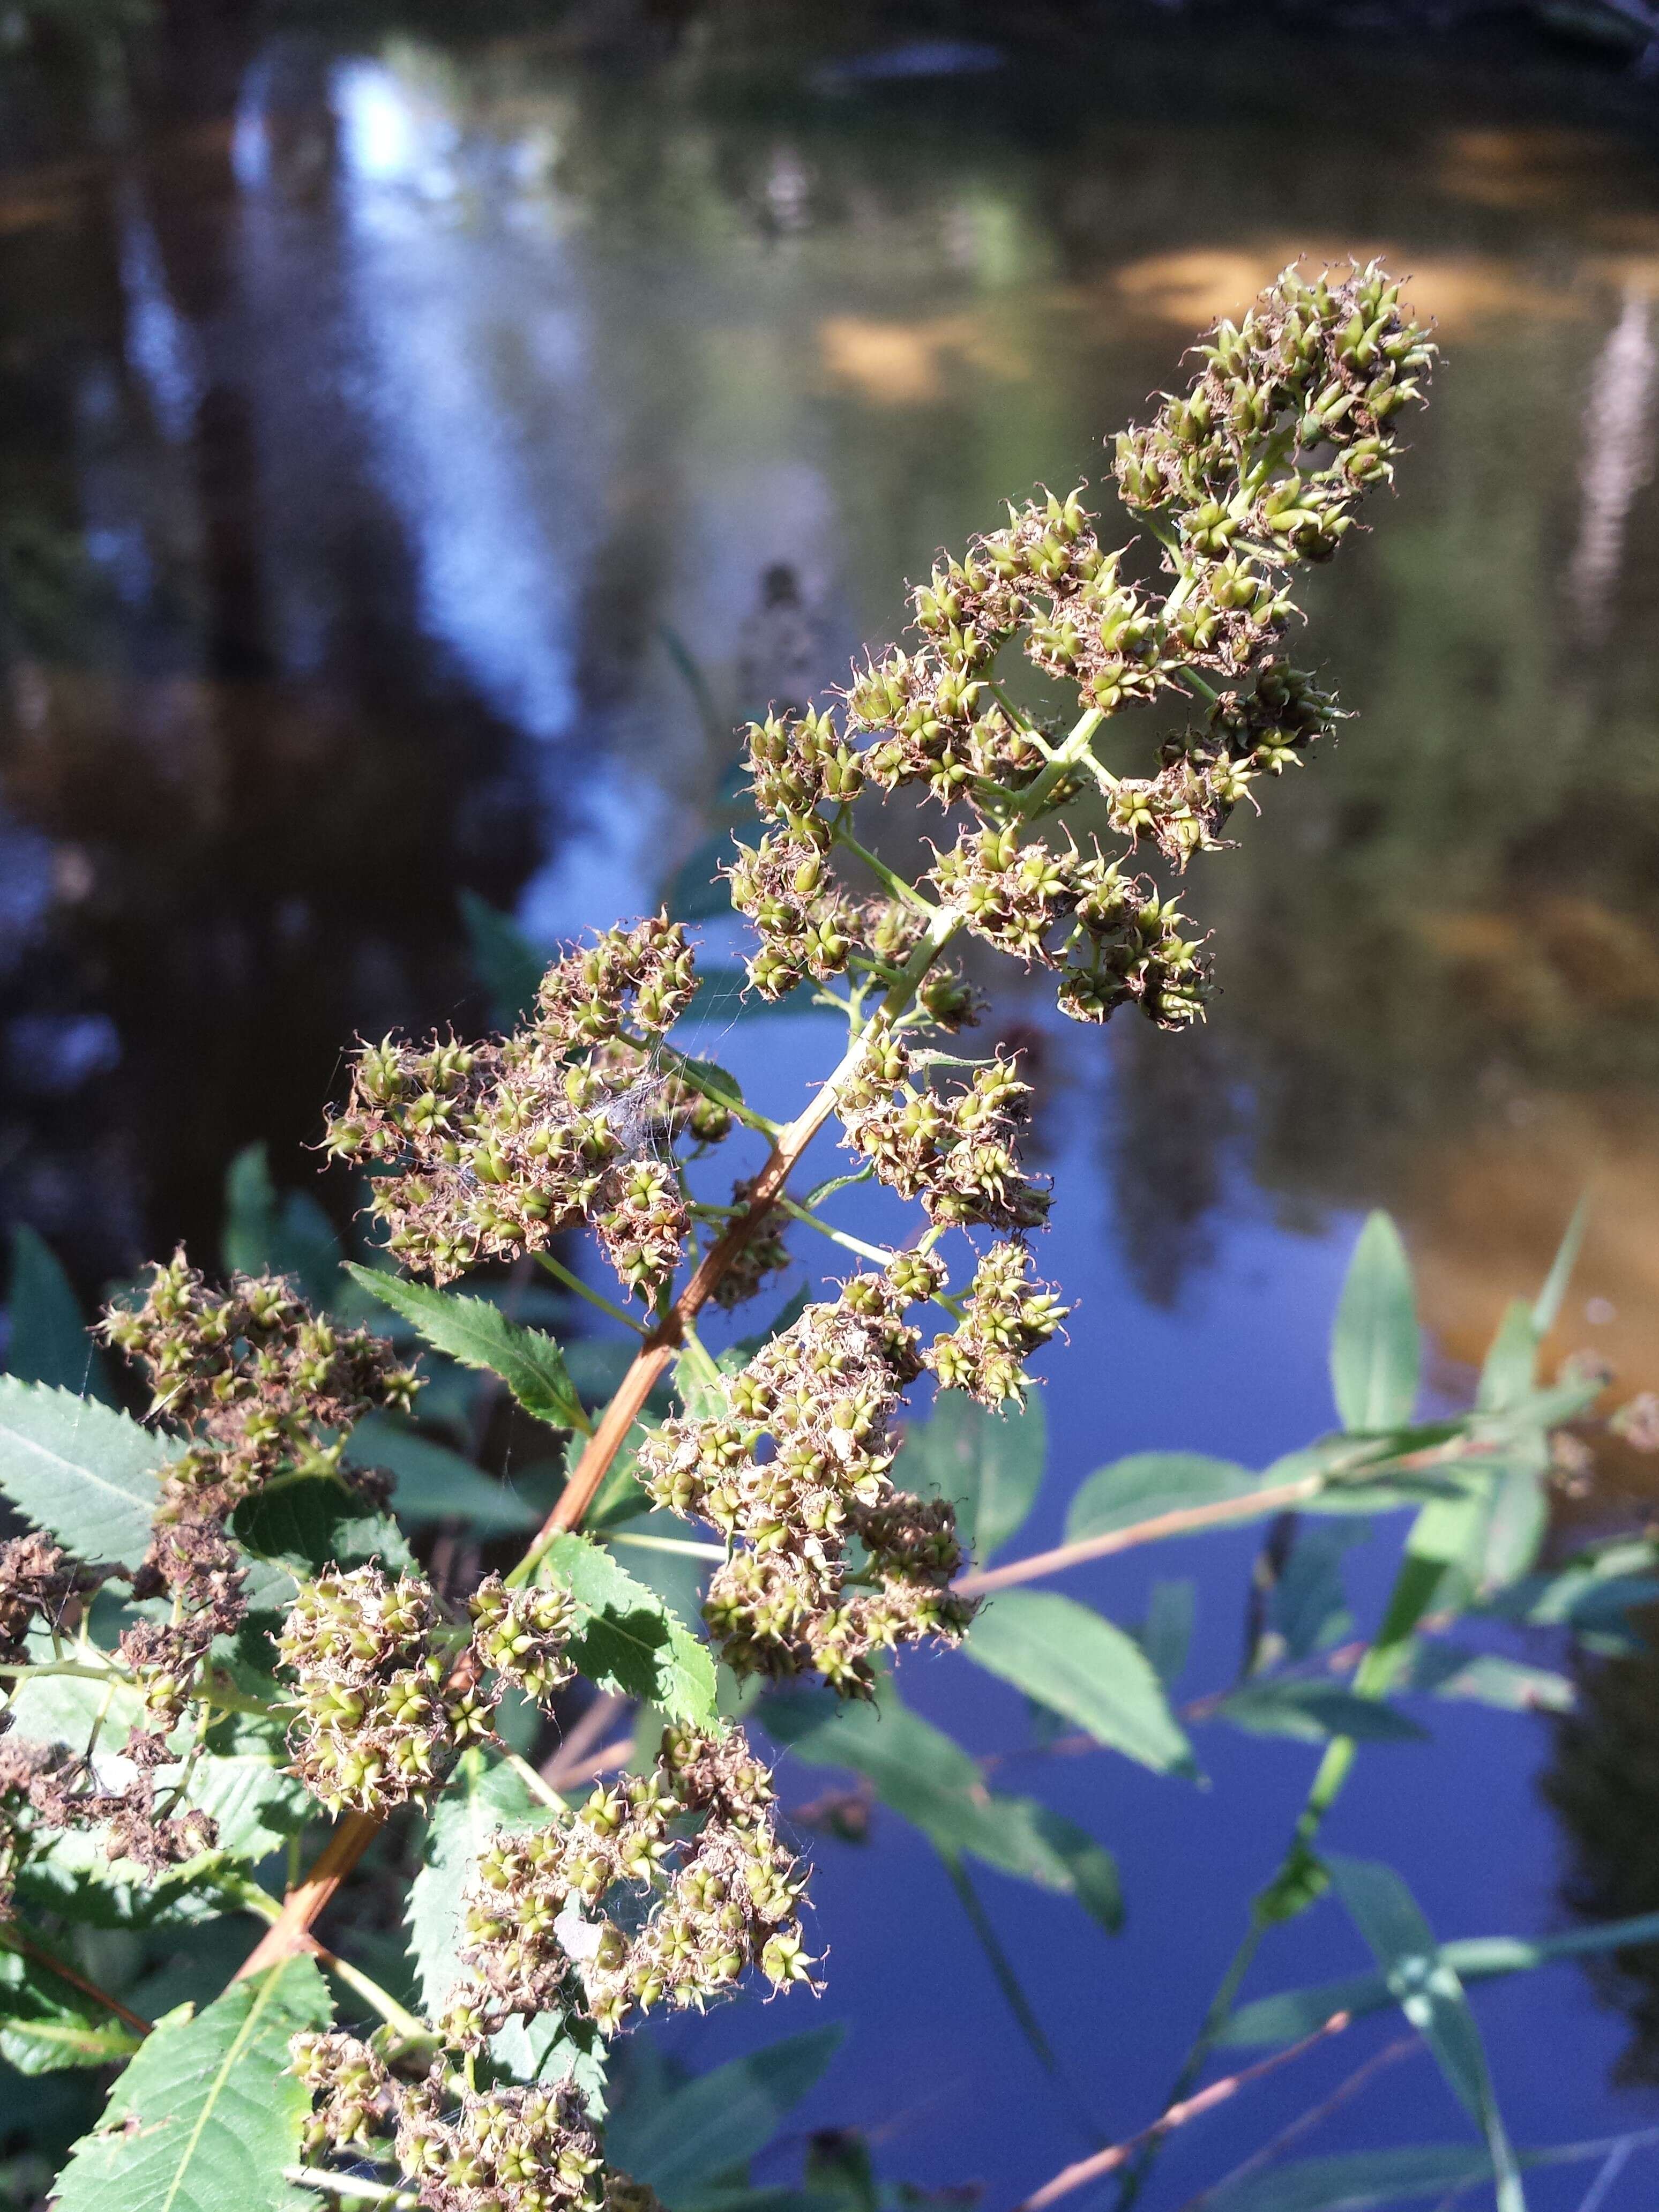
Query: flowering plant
column 218, row 1637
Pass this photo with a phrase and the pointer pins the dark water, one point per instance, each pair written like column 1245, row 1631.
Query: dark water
column 383, row 419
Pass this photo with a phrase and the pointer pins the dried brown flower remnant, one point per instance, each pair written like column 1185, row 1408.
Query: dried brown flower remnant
column 378, row 1721
column 792, row 1468
column 485, row 1152
column 38, row 1581
column 553, row 1916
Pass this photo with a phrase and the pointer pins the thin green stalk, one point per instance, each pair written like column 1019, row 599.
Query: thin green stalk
column 351, row 2184
column 534, row 1783
column 606, row 1306
column 810, row 1220
column 688, row 1547
column 890, row 881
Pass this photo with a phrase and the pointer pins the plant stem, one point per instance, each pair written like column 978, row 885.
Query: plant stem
column 14, row 1937
column 351, row 2184
column 573, row 1282
column 687, row 1546
column 1184, row 1521
column 891, row 883
column 805, row 1215
column 536, row 1783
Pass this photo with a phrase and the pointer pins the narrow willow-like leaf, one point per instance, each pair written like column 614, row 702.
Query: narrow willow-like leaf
column 85, row 1473
column 1078, row 1663
column 988, row 1465
column 927, row 1778
column 48, row 1340
column 626, row 1638
column 481, row 1797
column 1312, row 1711
column 1166, row 1634
column 1375, row 1355
column 1428, row 1992
column 1451, row 1670
column 1292, row 2013
column 1367, row 2180
column 207, row 2116
column 479, row 1334
column 718, row 2122
column 1148, row 1484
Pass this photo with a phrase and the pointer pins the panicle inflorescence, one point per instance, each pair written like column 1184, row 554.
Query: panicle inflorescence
column 792, row 1468
column 664, row 1888
column 490, row 1151
column 499, row 2149
column 389, row 1698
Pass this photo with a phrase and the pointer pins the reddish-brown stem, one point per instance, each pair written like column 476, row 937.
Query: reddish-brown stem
column 290, row 1931
column 13, row 1938
column 1085, row 2170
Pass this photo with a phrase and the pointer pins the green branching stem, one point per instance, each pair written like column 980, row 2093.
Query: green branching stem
column 596, row 1298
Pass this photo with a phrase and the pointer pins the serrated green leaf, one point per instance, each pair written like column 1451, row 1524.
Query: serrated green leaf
column 504, row 960
column 48, row 1340
column 1428, row 1992
column 1312, row 1711
column 1292, row 2013
column 479, row 1334
column 84, row 1472
column 308, row 1522
column 989, row 1465
column 47, row 2028
column 555, row 2047
column 1375, row 1354
column 481, row 1797
column 1148, row 1484
column 706, row 2128
column 927, row 1778
column 207, row 2115
column 626, row 1638
column 434, row 1483
column 1082, row 1665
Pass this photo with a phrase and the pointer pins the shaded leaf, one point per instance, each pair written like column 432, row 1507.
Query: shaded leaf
column 434, row 1483
column 481, row 1797
column 989, row 1465
column 47, row 1339
column 553, row 2047
column 1375, row 1354
column 1148, row 1484
column 927, row 1778
column 1451, row 1670
column 504, row 960
column 289, row 1235
column 704, row 2129
column 47, row 2026
column 1310, row 1608
column 626, row 1639
column 1312, row 1711
column 479, row 1334
column 207, row 2115
column 84, row 1472
column 1080, row 1664
column 1167, row 1631
column 308, row 1522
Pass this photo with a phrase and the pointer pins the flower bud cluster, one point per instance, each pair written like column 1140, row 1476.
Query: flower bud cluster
column 381, row 1720
column 488, row 1151
column 664, row 1889
column 1007, row 1316
column 956, row 1153
column 260, row 1381
column 1314, row 368
column 792, row 1468
column 501, row 2150
column 521, row 1635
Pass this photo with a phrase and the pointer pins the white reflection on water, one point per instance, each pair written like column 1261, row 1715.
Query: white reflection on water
column 472, row 338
